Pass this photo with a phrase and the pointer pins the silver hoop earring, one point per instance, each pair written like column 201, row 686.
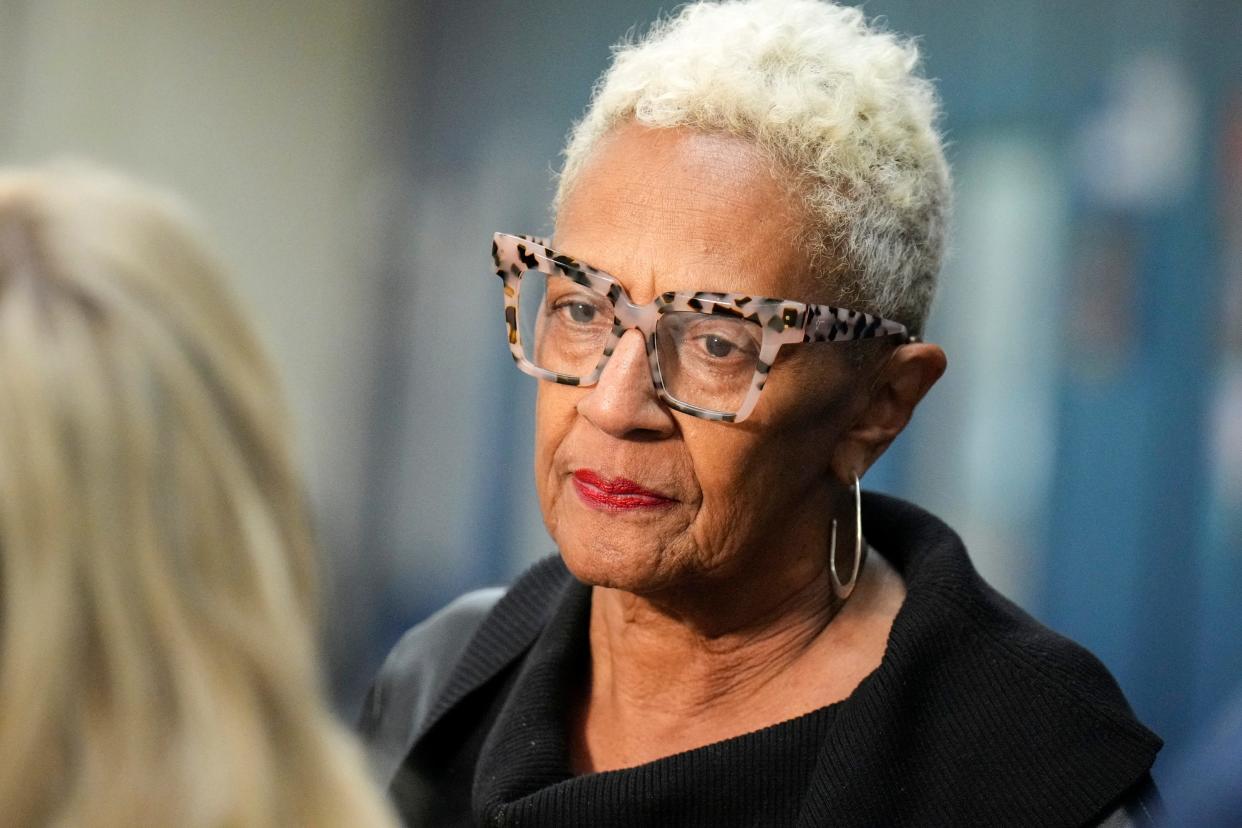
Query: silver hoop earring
column 843, row 590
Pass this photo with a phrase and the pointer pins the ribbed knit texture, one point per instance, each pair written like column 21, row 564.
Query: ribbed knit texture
column 977, row 716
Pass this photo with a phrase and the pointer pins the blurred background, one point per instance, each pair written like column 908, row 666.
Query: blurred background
column 352, row 160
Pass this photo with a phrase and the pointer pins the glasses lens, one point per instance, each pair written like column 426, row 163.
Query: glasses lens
column 707, row 361
column 563, row 325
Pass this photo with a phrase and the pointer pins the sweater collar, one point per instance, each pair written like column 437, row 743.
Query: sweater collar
column 976, row 709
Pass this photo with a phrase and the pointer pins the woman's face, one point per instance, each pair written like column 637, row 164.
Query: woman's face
column 642, row 498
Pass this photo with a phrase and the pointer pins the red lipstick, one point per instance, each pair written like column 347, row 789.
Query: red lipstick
column 616, row 494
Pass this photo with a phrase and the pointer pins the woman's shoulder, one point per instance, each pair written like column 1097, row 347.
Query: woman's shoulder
column 445, row 656
column 414, row 674
column 951, row 611
column 1001, row 705
column 1008, row 712
column 973, row 649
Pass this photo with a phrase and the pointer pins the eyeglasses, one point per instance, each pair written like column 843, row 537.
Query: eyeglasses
column 709, row 353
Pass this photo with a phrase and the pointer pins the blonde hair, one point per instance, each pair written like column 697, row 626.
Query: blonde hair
column 831, row 99
column 157, row 664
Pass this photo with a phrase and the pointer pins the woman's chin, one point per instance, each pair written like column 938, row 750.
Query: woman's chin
column 641, row 550
column 599, row 562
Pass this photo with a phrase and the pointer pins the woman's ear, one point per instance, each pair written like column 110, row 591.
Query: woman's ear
column 903, row 380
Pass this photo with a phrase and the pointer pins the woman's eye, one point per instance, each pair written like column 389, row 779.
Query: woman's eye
column 581, row 312
column 718, row 346
column 576, row 311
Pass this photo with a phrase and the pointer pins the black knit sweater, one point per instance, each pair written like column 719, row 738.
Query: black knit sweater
column 977, row 715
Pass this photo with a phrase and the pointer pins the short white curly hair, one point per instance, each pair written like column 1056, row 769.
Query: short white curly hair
column 836, row 102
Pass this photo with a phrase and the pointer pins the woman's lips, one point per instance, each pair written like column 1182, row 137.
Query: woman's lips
column 616, row 494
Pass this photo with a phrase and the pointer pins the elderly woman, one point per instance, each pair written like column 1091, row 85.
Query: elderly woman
column 749, row 227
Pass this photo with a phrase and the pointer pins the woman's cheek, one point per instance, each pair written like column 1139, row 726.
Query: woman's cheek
column 724, row 510
column 552, row 422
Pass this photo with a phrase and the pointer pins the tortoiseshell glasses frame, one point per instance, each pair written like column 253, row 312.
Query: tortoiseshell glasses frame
column 667, row 324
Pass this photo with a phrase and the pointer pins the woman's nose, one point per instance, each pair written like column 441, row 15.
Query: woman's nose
column 624, row 402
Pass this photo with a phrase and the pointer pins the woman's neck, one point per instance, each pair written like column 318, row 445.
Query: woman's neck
column 669, row 675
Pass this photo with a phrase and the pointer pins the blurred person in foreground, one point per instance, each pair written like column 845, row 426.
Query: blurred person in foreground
column 728, row 321
column 157, row 584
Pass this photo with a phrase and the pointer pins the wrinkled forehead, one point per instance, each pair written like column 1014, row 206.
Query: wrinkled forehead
column 677, row 210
